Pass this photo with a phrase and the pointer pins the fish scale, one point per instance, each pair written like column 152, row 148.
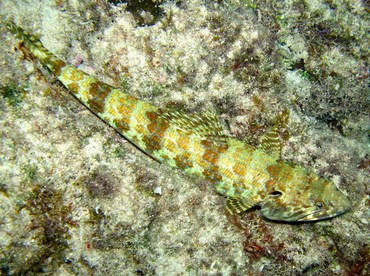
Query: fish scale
column 196, row 143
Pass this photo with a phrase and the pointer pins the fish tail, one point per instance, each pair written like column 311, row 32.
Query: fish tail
column 36, row 49
column 127, row 114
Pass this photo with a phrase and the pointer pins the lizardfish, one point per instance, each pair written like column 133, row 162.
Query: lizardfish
column 196, row 143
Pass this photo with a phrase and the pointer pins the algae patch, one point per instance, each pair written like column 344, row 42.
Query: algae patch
column 12, row 94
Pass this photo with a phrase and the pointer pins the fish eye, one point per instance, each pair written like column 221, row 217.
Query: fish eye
column 319, row 205
column 276, row 193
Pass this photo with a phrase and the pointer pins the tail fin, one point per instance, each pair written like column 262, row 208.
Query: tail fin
column 35, row 47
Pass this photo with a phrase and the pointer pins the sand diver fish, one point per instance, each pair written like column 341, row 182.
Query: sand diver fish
column 196, row 143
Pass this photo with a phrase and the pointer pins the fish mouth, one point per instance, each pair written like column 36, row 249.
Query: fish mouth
column 321, row 215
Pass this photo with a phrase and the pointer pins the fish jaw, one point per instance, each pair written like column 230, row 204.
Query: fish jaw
column 321, row 215
column 343, row 206
column 306, row 215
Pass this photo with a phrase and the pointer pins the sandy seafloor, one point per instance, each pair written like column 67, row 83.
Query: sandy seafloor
column 77, row 198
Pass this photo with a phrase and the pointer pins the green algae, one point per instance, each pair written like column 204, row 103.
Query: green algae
column 138, row 7
column 13, row 94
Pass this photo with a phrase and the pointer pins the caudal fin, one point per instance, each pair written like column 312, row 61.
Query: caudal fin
column 36, row 49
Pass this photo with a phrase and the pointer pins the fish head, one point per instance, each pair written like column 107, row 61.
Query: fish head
column 310, row 199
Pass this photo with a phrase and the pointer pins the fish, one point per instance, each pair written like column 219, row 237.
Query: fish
column 245, row 175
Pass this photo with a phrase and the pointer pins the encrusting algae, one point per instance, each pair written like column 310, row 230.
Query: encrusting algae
column 245, row 175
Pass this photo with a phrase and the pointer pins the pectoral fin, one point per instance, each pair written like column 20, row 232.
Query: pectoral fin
column 237, row 204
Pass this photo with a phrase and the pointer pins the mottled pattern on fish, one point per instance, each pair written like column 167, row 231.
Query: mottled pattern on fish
column 196, row 143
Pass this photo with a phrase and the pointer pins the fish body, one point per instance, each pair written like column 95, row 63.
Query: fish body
column 196, row 143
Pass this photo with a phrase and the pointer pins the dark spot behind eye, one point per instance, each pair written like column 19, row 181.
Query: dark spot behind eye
column 276, row 193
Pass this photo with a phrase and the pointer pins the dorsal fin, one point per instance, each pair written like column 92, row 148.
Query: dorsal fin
column 205, row 125
column 270, row 142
